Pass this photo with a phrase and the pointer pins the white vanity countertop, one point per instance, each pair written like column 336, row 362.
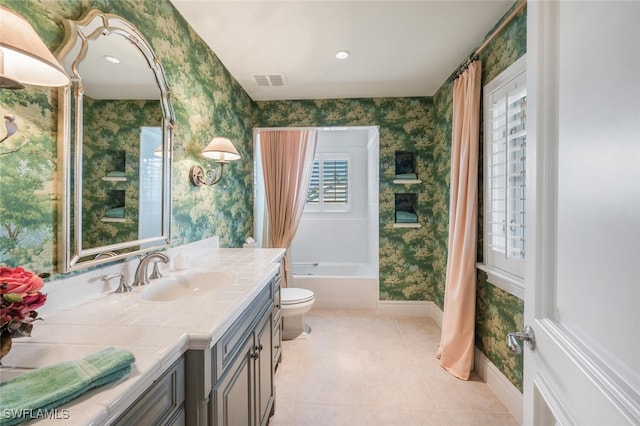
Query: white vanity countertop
column 157, row 333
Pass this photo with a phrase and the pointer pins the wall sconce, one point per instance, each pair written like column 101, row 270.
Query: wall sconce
column 24, row 58
column 222, row 151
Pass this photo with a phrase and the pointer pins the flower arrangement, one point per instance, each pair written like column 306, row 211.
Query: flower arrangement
column 20, row 296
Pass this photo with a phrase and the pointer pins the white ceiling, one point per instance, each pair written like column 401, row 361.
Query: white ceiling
column 132, row 78
column 398, row 48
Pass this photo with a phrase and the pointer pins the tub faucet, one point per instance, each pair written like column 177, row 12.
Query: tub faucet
column 141, row 277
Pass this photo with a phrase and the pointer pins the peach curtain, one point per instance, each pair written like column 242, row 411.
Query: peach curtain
column 287, row 161
column 456, row 348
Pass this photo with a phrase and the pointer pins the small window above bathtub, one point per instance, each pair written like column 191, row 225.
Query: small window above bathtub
column 329, row 186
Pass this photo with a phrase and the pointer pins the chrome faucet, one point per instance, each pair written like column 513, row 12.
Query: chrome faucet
column 141, row 277
column 123, row 287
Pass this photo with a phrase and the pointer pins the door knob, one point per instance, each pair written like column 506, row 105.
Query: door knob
column 527, row 336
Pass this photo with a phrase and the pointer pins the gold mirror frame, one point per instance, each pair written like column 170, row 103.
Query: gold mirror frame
column 78, row 35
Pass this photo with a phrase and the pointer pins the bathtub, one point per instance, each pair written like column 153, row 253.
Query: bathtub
column 339, row 285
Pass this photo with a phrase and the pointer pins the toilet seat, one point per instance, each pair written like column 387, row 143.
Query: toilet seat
column 294, row 296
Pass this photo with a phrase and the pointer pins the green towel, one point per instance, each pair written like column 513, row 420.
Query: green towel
column 406, row 217
column 407, row 176
column 116, row 212
column 49, row 387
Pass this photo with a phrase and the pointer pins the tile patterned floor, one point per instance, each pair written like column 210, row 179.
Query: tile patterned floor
column 357, row 368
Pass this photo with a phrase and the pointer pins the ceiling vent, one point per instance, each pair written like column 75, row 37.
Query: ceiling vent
column 270, row 80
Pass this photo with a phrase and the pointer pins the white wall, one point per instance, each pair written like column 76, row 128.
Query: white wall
column 348, row 236
column 373, row 200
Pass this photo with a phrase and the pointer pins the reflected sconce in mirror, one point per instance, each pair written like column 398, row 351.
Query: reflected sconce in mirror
column 24, row 59
column 222, row 151
column 10, row 124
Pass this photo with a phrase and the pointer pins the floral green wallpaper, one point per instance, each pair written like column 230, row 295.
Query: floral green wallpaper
column 28, row 221
column 207, row 101
column 409, row 257
column 497, row 314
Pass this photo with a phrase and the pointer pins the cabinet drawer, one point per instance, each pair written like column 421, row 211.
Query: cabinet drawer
column 231, row 342
column 277, row 320
column 275, row 285
column 276, row 298
column 161, row 403
column 277, row 341
column 277, row 314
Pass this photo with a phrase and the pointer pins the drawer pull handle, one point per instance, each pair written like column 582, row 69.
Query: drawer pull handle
column 258, row 348
column 255, row 355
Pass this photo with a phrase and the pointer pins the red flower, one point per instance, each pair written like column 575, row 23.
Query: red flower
column 19, row 299
column 19, row 281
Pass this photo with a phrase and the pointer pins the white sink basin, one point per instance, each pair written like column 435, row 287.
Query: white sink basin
column 181, row 286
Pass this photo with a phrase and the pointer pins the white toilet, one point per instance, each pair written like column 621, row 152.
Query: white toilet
column 294, row 303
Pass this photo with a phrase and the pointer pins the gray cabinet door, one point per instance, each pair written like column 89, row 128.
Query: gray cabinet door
column 162, row 403
column 264, row 369
column 233, row 394
column 243, row 391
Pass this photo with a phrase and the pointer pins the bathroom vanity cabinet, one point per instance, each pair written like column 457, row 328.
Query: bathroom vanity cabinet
column 244, row 362
column 216, row 367
column 230, row 384
column 162, row 403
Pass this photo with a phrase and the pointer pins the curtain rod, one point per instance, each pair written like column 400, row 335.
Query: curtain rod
column 504, row 23
column 474, row 56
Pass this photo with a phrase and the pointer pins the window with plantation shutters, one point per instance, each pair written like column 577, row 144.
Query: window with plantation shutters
column 329, row 185
column 505, row 139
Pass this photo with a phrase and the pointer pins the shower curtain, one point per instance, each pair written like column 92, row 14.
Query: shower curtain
column 456, row 348
column 287, row 161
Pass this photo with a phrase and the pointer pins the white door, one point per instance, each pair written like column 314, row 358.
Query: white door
column 582, row 296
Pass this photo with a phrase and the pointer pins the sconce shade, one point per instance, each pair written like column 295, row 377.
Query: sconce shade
column 24, row 58
column 221, row 149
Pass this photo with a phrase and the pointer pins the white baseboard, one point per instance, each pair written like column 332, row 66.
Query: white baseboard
column 435, row 313
column 405, row 308
column 411, row 308
column 499, row 384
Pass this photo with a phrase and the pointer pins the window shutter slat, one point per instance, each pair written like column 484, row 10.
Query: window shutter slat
column 506, row 160
column 329, row 184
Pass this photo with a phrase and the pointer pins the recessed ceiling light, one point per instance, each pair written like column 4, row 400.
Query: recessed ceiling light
column 111, row 59
column 342, row 54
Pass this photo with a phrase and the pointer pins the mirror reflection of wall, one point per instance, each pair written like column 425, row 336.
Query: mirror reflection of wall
column 111, row 161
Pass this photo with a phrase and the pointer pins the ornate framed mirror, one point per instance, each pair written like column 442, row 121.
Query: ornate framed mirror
column 115, row 127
